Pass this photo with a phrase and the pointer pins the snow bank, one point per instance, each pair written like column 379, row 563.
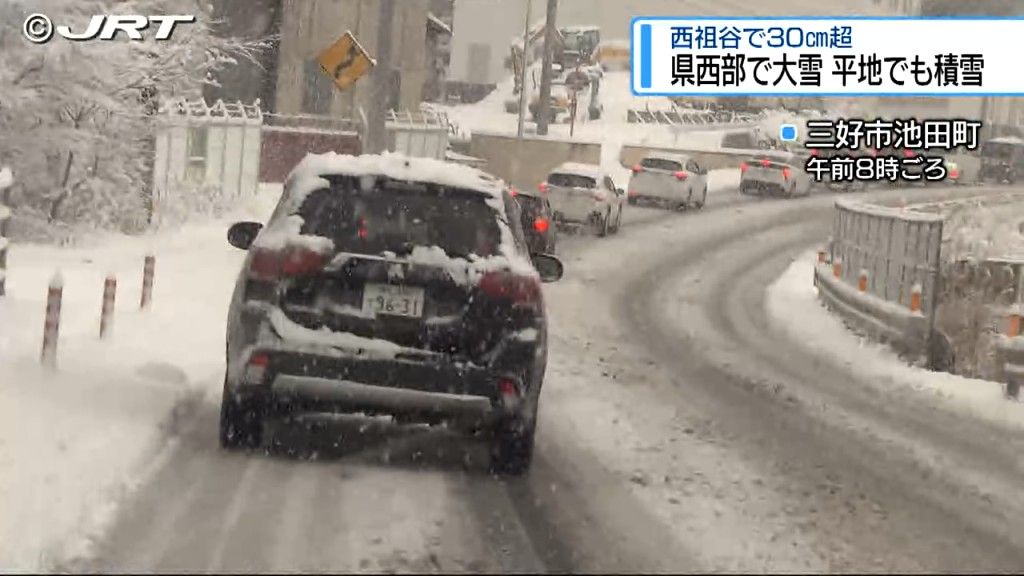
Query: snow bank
column 74, row 442
column 984, row 231
column 793, row 295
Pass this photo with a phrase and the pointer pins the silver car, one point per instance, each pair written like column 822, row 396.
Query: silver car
column 584, row 194
column 673, row 180
column 776, row 174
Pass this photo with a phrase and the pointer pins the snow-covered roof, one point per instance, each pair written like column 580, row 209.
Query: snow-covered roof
column 580, row 169
column 398, row 167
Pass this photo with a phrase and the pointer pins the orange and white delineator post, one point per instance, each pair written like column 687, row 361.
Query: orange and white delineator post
column 107, row 310
column 148, row 269
column 51, row 325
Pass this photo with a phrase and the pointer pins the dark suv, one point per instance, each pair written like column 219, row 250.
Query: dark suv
column 389, row 285
column 537, row 220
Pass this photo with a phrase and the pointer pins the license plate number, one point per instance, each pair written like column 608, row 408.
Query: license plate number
column 393, row 300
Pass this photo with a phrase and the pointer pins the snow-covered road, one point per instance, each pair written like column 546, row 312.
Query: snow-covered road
column 681, row 429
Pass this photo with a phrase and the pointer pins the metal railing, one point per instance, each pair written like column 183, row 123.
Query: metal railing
column 690, row 117
column 897, row 249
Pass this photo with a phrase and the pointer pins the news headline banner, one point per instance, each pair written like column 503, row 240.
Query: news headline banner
column 826, row 56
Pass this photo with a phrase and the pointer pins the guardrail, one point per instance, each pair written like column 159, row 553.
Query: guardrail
column 881, row 273
column 685, row 116
column 995, row 342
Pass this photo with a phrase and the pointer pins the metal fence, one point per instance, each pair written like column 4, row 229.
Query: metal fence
column 421, row 134
column 897, row 249
column 199, row 145
column 691, row 117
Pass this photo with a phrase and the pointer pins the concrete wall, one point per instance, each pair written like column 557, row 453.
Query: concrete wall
column 712, row 160
column 310, row 26
column 527, row 162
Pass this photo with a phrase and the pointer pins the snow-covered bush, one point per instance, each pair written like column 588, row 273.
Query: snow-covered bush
column 77, row 117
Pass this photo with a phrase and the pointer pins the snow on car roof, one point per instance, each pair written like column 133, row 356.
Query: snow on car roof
column 398, row 167
column 681, row 158
column 580, row 169
column 310, row 175
column 581, row 28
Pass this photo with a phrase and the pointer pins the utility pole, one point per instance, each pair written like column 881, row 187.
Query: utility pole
column 522, row 80
column 376, row 132
column 550, row 34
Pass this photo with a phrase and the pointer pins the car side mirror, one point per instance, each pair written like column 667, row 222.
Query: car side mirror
column 620, row 191
column 549, row 267
column 242, row 234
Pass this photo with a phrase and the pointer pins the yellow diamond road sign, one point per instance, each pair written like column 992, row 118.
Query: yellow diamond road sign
column 345, row 61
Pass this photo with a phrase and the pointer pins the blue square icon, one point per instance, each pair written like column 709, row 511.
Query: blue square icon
column 787, row 132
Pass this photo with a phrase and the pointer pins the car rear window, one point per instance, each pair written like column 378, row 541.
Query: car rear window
column 531, row 206
column 661, row 164
column 998, row 149
column 572, row 181
column 395, row 216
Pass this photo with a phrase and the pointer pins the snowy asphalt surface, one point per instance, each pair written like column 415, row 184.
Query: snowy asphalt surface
column 679, row 431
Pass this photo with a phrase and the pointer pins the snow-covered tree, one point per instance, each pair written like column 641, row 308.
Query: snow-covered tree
column 77, row 118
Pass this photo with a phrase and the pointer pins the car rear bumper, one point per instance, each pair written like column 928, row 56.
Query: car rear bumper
column 301, row 381
column 762, row 187
column 322, row 394
column 576, row 208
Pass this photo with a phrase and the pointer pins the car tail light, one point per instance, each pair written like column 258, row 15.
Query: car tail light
column 599, row 195
column 681, row 175
column 766, row 163
column 744, row 166
column 364, row 232
column 786, row 173
column 637, row 168
column 908, row 153
column 508, row 387
column 503, row 285
column 874, row 153
column 269, row 265
column 815, row 152
column 513, row 192
column 954, row 174
column 543, row 187
column 541, row 225
column 256, row 368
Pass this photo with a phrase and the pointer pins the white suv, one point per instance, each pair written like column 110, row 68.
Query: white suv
column 584, row 194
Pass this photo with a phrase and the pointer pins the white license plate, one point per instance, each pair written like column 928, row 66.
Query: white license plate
column 393, row 299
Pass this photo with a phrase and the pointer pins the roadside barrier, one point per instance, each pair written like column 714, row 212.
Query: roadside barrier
column 6, row 179
column 51, row 326
column 148, row 269
column 5, row 215
column 880, row 272
column 107, row 309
